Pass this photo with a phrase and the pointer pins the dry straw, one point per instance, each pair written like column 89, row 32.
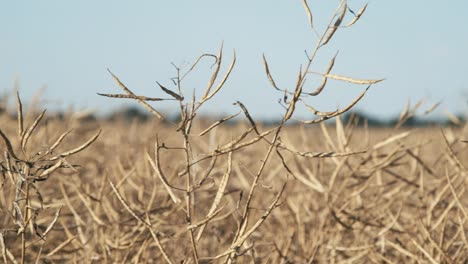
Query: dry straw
column 217, row 191
column 27, row 170
column 188, row 113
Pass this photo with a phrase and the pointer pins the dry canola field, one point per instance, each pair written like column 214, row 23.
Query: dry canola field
column 328, row 193
column 74, row 189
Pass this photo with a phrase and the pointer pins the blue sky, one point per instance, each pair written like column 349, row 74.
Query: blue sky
column 418, row 46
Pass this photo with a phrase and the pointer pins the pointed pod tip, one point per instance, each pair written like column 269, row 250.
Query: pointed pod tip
column 111, row 73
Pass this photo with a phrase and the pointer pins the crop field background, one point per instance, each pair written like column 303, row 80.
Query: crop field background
column 400, row 199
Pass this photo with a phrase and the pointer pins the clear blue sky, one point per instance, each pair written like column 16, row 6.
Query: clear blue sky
column 419, row 46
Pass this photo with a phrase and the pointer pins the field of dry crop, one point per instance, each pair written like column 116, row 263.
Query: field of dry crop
column 364, row 195
column 78, row 190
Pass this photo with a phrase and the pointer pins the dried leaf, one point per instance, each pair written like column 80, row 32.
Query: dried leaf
column 317, row 112
column 358, row 16
column 217, row 123
column 59, row 140
column 219, row 194
column 20, row 115
column 51, row 169
column 221, row 84
column 157, row 170
column 62, row 245
column 3, row 248
column 351, row 80
column 391, row 140
column 336, row 25
column 77, row 149
column 239, row 241
column 309, row 13
column 8, row 145
column 126, row 205
column 51, row 225
column 324, row 79
column 249, row 117
column 214, row 76
column 28, row 133
column 136, row 97
column 432, row 108
column 171, row 93
column 340, row 111
column 268, row 73
column 145, row 104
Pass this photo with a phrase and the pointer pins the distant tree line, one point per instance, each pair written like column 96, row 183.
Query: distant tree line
column 360, row 118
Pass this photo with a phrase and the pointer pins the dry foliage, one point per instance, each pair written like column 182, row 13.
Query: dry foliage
column 403, row 200
column 205, row 191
